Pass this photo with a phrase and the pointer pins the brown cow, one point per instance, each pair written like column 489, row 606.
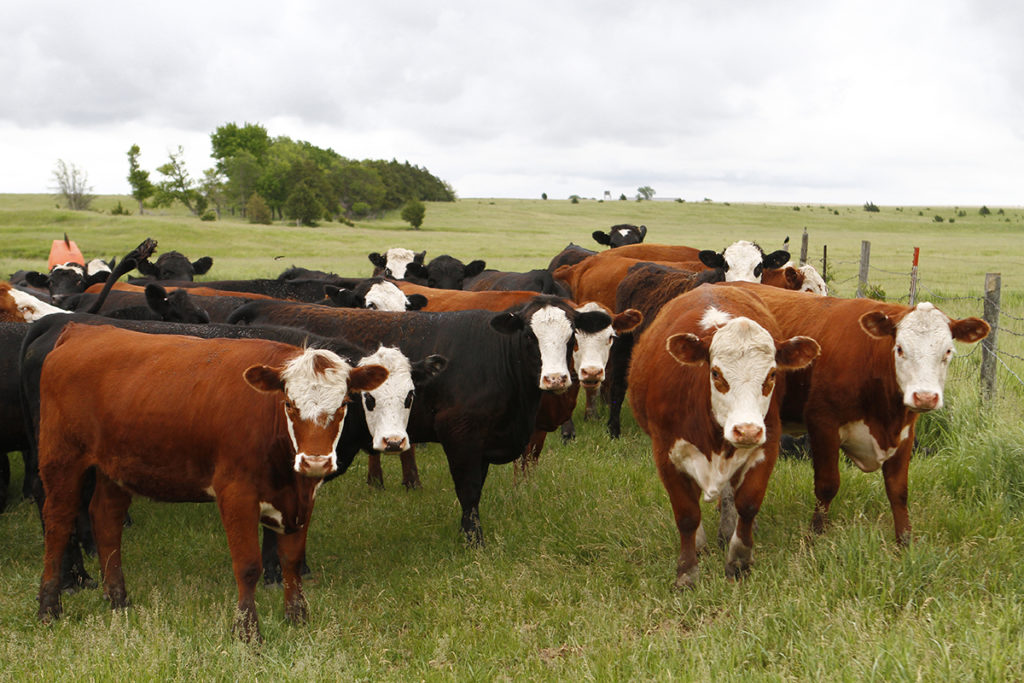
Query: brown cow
column 463, row 300
column 881, row 366
column 702, row 385
column 250, row 424
column 17, row 306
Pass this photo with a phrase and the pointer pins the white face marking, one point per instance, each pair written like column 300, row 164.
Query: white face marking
column 552, row 328
column 271, row 517
column 743, row 257
column 317, row 396
column 712, row 474
column 388, row 406
column 714, row 318
column 397, row 259
column 70, row 265
column 96, row 266
column 624, row 232
column 922, row 351
column 744, row 353
column 862, row 448
column 813, row 282
column 386, row 296
column 31, row 308
column 592, row 349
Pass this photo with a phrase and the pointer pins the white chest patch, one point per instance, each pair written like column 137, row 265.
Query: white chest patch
column 862, row 448
column 714, row 473
column 271, row 517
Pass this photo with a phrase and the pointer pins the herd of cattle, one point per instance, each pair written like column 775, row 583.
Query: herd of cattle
column 252, row 393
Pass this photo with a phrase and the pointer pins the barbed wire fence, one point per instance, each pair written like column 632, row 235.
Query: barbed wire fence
column 997, row 361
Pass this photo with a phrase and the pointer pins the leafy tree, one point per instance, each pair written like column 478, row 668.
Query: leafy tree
column 645, row 192
column 543, row 195
column 303, row 204
column 178, row 185
column 73, row 185
column 242, row 174
column 258, row 211
column 413, row 213
column 232, row 140
column 213, row 190
column 984, row 210
column 142, row 188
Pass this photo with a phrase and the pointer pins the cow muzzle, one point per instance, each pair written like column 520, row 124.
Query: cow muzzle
column 746, row 435
column 556, row 382
column 591, row 377
column 315, row 465
column 392, row 444
column 924, row 401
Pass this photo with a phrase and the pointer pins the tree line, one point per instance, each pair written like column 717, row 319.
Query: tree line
column 263, row 178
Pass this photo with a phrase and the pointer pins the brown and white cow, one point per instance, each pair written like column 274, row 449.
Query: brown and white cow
column 881, row 365
column 17, row 306
column 250, row 424
column 703, row 386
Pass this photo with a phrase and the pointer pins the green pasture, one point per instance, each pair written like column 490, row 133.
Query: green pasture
column 575, row 582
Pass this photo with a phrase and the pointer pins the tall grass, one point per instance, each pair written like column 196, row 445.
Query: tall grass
column 575, row 581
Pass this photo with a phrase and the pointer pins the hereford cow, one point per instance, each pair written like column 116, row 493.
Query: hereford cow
column 175, row 266
column 703, row 387
column 482, row 409
column 620, row 235
column 130, row 428
column 17, row 306
column 881, row 366
column 394, row 262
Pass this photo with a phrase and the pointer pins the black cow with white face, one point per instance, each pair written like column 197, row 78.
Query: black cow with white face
column 173, row 265
column 376, row 293
column 66, row 279
column 394, row 263
column 483, row 408
column 621, row 235
column 445, row 272
column 743, row 261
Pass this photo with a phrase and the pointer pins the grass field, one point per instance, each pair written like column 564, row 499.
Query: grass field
column 576, row 579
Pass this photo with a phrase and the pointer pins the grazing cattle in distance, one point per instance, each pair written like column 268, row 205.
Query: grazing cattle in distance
column 570, row 255
column 174, row 266
column 375, row 293
column 292, row 402
column 482, row 409
column 620, row 235
column 17, row 306
column 65, row 280
column 395, row 261
column 881, row 366
column 445, row 272
column 705, row 385
column 538, row 280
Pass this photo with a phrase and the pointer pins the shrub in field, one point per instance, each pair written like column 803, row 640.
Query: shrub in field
column 304, row 205
column 937, row 219
column 208, row 215
column 119, row 210
column 413, row 213
column 870, row 206
column 257, row 210
column 359, row 210
column 984, row 211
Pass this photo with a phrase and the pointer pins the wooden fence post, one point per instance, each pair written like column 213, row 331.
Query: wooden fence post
column 913, row 277
column 993, row 285
column 803, row 248
column 824, row 261
column 862, row 278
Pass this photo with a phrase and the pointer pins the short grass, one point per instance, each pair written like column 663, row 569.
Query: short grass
column 576, row 579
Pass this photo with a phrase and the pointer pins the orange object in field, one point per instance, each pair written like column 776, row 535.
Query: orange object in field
column 65, row 251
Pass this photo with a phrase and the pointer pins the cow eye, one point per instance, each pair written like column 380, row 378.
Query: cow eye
column 372, row 307
column 408, row 399
column 899, row 351
column 758, row 269
column 369, row 401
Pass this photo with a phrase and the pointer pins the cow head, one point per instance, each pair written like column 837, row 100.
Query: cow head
column 742, row 360
column 22, row 307
column 592, row 348
column 743, row 261
column 394, row 261
column 445, row 272
column 314, row 387
column 922, row 347
column 173, row 265
column 620, row 235
column 387, row 407
column 377, row 294
column 176, row 307
column 64, row 280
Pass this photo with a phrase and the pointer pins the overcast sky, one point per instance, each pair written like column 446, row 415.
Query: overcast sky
column 890, row 101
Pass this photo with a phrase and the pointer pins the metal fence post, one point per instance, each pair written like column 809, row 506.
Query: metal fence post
column 993, row 284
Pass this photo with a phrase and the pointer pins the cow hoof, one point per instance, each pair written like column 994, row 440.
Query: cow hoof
column 736, row 571
column 118, row 599
column 686, row 580
column 272, row 576
column 297, row 612
column 49, row 603
column 411, row 485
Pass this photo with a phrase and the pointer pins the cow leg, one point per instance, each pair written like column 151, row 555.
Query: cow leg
column 684, row 495
column 748, row 498
column 469, row 482
column 568, row 430
column 240, row 514
column 107, row 511
column 291, row 551
column 5, row 479
column 895, row 472
column 28, row 483
column 374, row 473
column 410, row 473
column 270, row 554
column 824, row 444
column 59, row 511
column 616, row 372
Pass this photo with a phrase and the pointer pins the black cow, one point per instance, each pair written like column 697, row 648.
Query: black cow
column 176, row 307
column 444, row 272
column 483, row 408
column 65, row 280
column 375, row 293
column 538, row 280
column 12, row 422
column 394, row 264
column 620, row 235
column 173, row 265
column 309, row 291
column 570, row 256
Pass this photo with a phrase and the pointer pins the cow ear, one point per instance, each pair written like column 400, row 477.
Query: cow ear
column 507, row 323
column 264, row 378
column 96, row 278
column 423, row 371
column 796, row 353
column 37, row 279
column 776, row 259
column 202, row 266
column 420, row 257
column 688, row 349
column 969, row 330
column 366, row 377
column 344, row 298
column 156, row 298
column 878, row 325
column 592, row 321
column 712, row 259
column 794, row 278
column 146, row 268
column 377, row 259
column 643, row 232
column 416, row 302
column 475, row 268
column 627, row 321
column 601, row 237
column 416, row 270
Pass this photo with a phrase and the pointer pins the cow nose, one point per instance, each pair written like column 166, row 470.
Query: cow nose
column 925, row 400
column 591, row 376
column 557, row 382
column 747, row 434
column 394, row 444
column 315, row 465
